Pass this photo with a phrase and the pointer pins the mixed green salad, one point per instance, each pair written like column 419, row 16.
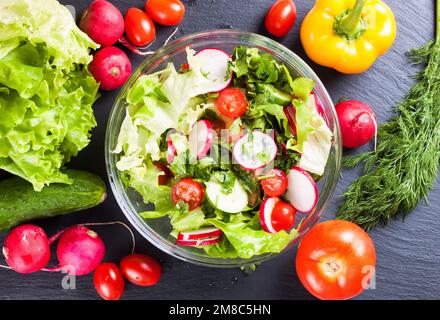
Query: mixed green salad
column 228, row 147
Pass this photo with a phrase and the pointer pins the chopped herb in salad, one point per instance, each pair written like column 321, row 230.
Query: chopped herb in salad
column 228, row 147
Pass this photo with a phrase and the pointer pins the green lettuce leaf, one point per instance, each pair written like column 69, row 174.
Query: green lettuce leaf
column 243, row 241
column 316, row 148
column 144, row 179
column 46, row 91
column 159, row 102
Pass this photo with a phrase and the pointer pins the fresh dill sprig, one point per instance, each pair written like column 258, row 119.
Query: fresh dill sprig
column 401, row 172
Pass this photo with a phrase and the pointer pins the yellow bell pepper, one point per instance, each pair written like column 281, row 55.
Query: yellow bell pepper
column 348, row 35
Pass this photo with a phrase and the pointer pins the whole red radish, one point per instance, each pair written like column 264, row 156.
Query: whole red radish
column 109, row 281
column 357, row 121
column 80, row 250
column 110, row 67
column 26, row 249
column 140, row 269
column 102, row 22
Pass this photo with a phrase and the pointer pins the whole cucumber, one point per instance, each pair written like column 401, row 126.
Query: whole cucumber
column 19, row 202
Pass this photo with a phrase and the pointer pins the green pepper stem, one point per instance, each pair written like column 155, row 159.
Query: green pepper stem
column 349, row 25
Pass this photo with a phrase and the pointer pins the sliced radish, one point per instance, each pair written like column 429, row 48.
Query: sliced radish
column 290, row 113
column 200, row 138
column 320, row 108
column 255, row 150
column 266, row 214
column 214, row 63
column 171, row 151
column 199, row 234
column 302, row 191
column 318, row 105
column 199, row 242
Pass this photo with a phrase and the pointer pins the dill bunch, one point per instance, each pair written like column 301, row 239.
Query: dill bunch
column 401, row 172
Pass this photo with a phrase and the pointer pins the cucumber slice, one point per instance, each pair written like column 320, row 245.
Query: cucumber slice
column 233, row 202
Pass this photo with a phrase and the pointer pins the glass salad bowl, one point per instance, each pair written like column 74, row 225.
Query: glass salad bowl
column 157, row 231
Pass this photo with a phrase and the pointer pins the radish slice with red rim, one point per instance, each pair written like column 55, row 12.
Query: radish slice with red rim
column 214, row 63
column 255, row 150
column 290, row 113
column 199, row 234
column 171, row 151
column 320, row 108
column 266, row 214
column 200, row 138
column 199, row 242
column 302, row 191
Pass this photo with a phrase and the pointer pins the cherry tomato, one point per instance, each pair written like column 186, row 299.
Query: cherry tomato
column 189, row 191
column 232, row 103
column 275, row 186
column 335, row 260
column 184, row 66
column 165, row 178
column 281, row 18
column 140, row 269
column 166, row 12
column 283, row 216
column 108, row 281
column 139, row 27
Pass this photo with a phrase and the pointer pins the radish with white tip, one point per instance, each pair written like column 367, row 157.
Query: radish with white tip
column 201, row 138
column 199, row 234
column 302, row 191
column 255, row 150
column 214, row 63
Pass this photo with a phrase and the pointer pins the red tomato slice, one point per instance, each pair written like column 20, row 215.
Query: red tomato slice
column 232, row 103
column 108, row 281
column 275, row 186
column 189, row 191
column 335, row 260
column 139, row 27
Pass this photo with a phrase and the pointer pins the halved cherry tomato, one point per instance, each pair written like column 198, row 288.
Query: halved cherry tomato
column 140, row 269
column 232, row 103
column 166, row 12
column 164, row 178
column 189, row 191
column 281, row 18
column 139, row 27
column 274, row 186
column 108, row 281
column 283, row 216
column 335, row 260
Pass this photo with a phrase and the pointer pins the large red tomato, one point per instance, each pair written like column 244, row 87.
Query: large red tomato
column 335, row 260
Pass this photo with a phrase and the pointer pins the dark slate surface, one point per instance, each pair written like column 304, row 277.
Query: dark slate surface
column 408, row 256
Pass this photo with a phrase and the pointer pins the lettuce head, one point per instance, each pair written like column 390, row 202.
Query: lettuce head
column 46, row 90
